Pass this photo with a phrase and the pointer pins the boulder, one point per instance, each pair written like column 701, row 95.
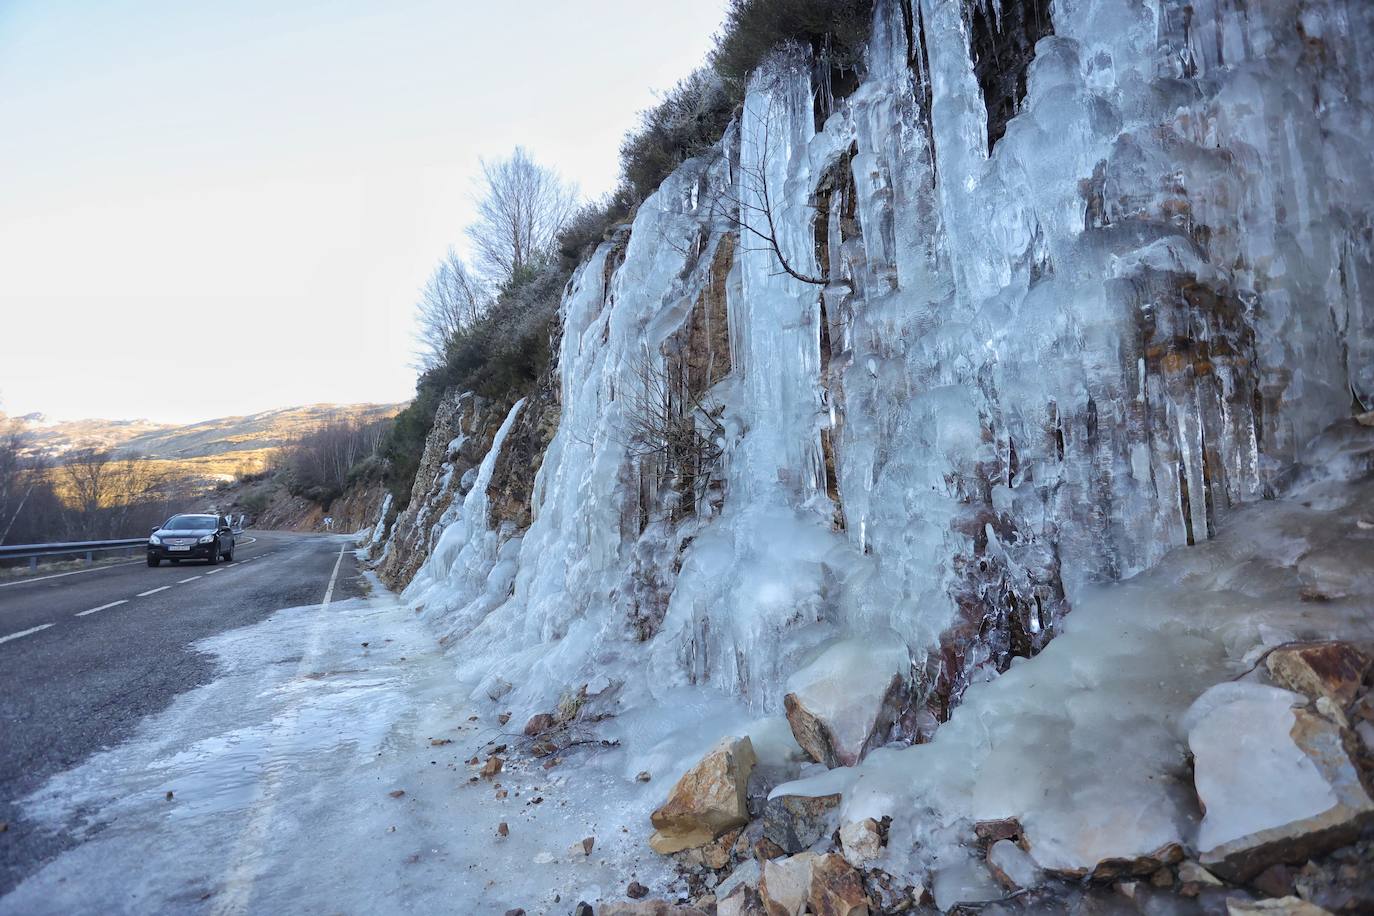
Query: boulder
column 707, row 801
column 785, row 883
column 1277, row 782
column 1326, row 669
column 1141, row 866
column 1281, row 906
column 845, row 702
column 539, row 723
column 861, row 842
column 795, row 822
column 836, row 888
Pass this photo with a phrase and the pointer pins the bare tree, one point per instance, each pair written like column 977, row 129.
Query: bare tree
column 110, row 494
column 319, row 463
column 521, row 208
column 451, row 302
column 753, row 209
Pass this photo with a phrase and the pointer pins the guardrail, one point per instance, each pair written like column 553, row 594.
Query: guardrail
column 32, row 552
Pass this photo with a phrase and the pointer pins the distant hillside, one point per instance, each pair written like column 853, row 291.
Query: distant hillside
column 218, row 439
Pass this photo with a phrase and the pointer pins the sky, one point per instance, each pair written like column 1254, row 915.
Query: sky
column 210, row 209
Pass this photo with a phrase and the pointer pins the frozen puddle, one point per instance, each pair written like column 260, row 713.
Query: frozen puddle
column 281, row 773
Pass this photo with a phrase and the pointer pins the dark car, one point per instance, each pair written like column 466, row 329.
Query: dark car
column 192, row 537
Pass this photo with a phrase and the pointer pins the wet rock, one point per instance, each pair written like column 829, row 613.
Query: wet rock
column 861, row 842
column 845, row 702
column 1326, row 669
column 1277, row 782
column 836, row 888
column 989, row 832
column 1275, row 881
column 1282, row 906
column 539, row 723
column 707, row 801
column 1193, row 879
column 795, row 822
column 636, row 891
column 492, row 767
column 1013, row 867
column 1142, row 866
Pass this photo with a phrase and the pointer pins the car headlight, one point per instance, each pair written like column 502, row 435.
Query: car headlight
column 155, row 540
column 206, row 540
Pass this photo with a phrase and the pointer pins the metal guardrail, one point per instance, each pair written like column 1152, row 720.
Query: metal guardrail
column 32, row 552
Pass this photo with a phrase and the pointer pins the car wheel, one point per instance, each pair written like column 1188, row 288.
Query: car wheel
column 229, row 557
column 214, row 554
column 154, row 561
column 173, row 561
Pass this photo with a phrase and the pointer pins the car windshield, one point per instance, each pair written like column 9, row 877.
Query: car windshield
column 191, row 523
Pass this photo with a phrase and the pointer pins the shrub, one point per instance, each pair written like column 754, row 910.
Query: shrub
column 836, row 30
column 690, row 120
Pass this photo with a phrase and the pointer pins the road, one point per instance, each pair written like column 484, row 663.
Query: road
column 84, row 657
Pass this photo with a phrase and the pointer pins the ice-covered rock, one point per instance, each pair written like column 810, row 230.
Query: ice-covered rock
column 845, row 702
column 707, row 801
column 1012, row 866
column 861, row 842
column 1276, row 781
column 1278, row 906
column 1334, row 670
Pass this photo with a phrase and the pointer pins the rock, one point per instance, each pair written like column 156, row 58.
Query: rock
column 753, row 844
column 650, row 908
column 503, row 829
column 836, row 888
column 1282, row 906
column 515, row 912
column 747, row 873
column 785, row 884
column 708, row 800
column 716, row 854
column 492, row 767
column 1143, row 866
column 1324, row 669
column 1013, row 867
column 1162, row 878
column 503, row 718
column 1275, row 881
column 643, row 776
column 989, row 832
column 795, row 822
column 847, row 700
column 584, row 909
column 861, row 842
column 743, row 900
column 636, row 891
column 1190, row 872
column 1277, row 782
column 1366, row 418
column 539, row 723
column 587, row 844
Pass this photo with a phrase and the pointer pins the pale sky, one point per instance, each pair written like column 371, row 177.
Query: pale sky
column 219, row 208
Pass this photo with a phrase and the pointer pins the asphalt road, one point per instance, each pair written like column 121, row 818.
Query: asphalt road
column 85, row 656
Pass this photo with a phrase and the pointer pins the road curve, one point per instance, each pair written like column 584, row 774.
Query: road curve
column 83, row 658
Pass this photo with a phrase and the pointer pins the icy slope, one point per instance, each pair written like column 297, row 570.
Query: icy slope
column 1029, row 369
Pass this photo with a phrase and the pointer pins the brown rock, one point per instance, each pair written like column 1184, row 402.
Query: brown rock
column 1275, row 881
column 587, row 844
column 539, row 723
column 1143, row 866
column 1007, row 828
column 1330, row 669
column 795, row 822
column 786, row 883
column 845, row 702
column 1162, row 878
column 492, row 766
column 717, row 854
column 636, row 891
column 643, row 776
column 861, row 841
column 836, row 888
column 503, row 718
column 515, row 912
column 707, row 801
column 396, row 793
column 503, row 829
column 743, row 900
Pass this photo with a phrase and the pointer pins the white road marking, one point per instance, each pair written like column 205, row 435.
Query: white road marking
column 329, row 592
column 152, row 591
column 232, row 565
column 74, row 572
column 25, row 632
column 184, row 581
column 211, row 572
column 103, row 607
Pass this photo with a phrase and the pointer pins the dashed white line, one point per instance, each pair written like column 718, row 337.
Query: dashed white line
column 329, row 592
column 211, row 572
column 103, row 607
column 152, row 591
column 27, row 632
column 184, row 581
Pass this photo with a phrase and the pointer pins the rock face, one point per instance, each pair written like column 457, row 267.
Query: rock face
column 795, row 822
column 1330, row 669
column 708, row 800
column 847, row 700
column 1277, row 782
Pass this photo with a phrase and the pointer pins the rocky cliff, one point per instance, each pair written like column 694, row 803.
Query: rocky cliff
column 1055, row 290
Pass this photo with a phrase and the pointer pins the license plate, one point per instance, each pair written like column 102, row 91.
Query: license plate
column 178, row 548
